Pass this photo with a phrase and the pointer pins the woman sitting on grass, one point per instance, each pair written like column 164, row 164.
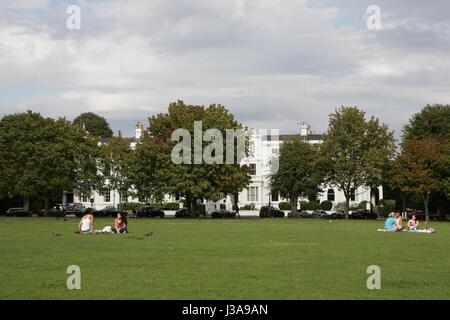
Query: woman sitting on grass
column 86, row 224
column 121, row 224
column 413, row 223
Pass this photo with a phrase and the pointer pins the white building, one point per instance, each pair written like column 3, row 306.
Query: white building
column 263, row 149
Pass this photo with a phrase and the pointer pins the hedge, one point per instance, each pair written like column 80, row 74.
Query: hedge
column 326, row 205
column 284, row 206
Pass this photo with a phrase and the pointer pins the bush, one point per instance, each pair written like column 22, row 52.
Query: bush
column 389, row 205
column 303, row 205
column 326, row 205
column 284, row 206
column 363, row 205
column 172, row 206
column 130, row 206
column 248, row 207
column 312, row 205
column 201, row 208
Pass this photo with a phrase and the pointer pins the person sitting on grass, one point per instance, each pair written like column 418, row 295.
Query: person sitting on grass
column 413, row 223
column 389, row 224
column 398, row 226
column 86, row 224
column 121, row 224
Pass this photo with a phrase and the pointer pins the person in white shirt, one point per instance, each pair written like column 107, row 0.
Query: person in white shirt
column 86, row 224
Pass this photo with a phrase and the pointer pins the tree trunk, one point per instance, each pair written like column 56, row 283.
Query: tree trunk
column 347, row 206
column 26, row 203
column 293, row 206
column 425, row 203
column 46, row 204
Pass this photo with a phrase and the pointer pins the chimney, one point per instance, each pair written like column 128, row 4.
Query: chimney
column 139, row 130
column 304, row 129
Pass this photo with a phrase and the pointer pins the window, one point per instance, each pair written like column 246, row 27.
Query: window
column 252, row 194
column 252, row 169
column 275, row 197
column 86, row 199
column 330, row 195
column 124, row 198
column 352, row 197
column 106, row 194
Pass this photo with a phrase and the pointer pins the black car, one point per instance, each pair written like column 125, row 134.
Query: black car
column 82, row 212
column 145, row 212
column 271, row 212
column 222, row 213
column 319, row 214
column 185, row 213
column 363, row 214
column 109, row 211
column 56, row 211
column 335, row 215
column 18, row 212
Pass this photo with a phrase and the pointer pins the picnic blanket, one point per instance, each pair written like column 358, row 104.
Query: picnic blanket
column 427, row 230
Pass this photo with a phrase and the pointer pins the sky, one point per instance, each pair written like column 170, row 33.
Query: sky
column 272, row 63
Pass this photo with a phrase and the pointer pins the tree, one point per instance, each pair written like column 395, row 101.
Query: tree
column 298, row 174
column 116, row 165
column 433, row 121
column 419, row 168
column 94, row 124
column 356, row 152
column 41, row 158
column 192, row 181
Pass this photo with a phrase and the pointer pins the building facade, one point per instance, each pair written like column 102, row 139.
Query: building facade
column 263, row 151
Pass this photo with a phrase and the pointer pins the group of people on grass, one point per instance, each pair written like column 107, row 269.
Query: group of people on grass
column 394, row 223
column 86, row 224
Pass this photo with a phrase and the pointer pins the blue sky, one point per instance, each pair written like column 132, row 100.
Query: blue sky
column 272, row 63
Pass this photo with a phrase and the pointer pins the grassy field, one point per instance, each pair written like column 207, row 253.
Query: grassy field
column 226, row 259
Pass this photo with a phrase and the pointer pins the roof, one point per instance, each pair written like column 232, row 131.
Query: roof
column 309, row 137
column 106, row 140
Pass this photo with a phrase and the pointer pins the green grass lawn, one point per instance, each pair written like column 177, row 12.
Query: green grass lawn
column 223, row 259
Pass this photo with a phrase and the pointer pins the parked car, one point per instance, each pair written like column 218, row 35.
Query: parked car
column 82, row 212
column 305, row 214
column 149, row 212
column 185, row 213
column 271, row 212
column 108, row 211
column 56, row 211
column 339, row 214
column 319, row 214
column 73, row 208
column 363, row 214
column 18, row 212
column 222, row 213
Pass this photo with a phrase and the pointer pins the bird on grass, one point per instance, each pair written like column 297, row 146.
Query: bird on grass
column 149, row 234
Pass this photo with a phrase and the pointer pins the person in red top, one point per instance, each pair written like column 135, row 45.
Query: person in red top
column 121, row 224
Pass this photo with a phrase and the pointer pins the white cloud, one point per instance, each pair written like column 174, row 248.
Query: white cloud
column 274, row 63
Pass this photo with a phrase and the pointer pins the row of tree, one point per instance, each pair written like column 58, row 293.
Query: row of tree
column 42, row 157
column 360, row 152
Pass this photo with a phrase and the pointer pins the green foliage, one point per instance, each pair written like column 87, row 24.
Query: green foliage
column 390, row 205
column 130, row 206
column 299, row 174
column 326, row 205
column 304, row 205
column 433, row 121
column 116, row 163
column 363, row 205
column 248, row 207
column 312, row 205
column 94, row 124
column 41, row 157
column 192, row 182
column 284, row 206
column 356, row 152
